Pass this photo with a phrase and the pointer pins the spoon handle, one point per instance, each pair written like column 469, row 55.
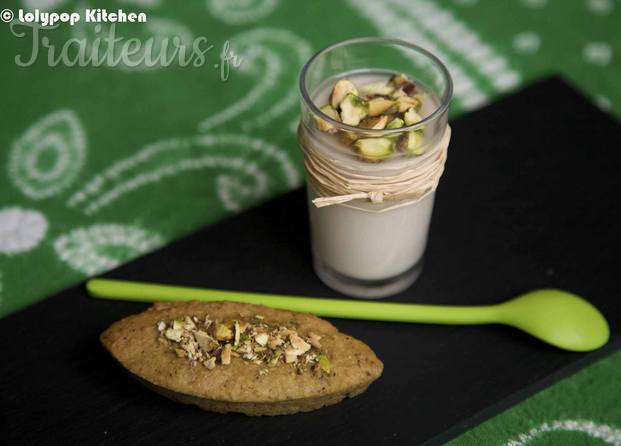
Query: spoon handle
column 339, row 308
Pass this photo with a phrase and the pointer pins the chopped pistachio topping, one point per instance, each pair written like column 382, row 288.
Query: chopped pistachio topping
column 214, row 342
column 376, row 105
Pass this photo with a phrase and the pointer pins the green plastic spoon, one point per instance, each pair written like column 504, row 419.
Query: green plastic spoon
column 554, row 316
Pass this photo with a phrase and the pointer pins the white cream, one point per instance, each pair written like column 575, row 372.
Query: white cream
column 369, row 245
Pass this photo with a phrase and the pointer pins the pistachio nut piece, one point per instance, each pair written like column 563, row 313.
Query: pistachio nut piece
column 398, row 80
column 222, row 332
column 377, row 123
column 409, row 88
column 274, row 359
column 323, row 125
column 377, row 106
column 173, row 334
column 396, row 123
column 404, row 103
column 353, row 109
column 398, row 93
column 374, row 149
column 379, row 88
column 412, row 142
column 324, row 364
column 205, row 342
column 419, row 97
column 178, row 324
column 341, row 89
column 411, row 117
column 348, row 137
column 225, row 355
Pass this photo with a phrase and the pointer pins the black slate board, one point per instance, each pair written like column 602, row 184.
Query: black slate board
column 529, row 200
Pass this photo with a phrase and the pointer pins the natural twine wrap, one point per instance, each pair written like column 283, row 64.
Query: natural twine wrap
column 336, row 182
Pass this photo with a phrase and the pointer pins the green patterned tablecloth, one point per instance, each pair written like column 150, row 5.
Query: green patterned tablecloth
column 102, row 164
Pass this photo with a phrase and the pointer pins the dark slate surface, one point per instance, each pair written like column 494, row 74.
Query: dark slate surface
column 529, row 200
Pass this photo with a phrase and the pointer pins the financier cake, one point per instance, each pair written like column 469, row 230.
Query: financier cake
column 233, row 357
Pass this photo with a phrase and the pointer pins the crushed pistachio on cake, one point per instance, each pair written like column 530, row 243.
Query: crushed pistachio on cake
column 379, row 105
column 215, row 343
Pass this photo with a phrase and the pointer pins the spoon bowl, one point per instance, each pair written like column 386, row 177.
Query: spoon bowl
column 557, row 317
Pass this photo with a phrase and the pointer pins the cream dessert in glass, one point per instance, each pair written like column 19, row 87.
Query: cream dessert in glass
column 374, row 137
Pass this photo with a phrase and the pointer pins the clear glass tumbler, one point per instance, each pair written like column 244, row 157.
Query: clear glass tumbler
column 361, row 247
